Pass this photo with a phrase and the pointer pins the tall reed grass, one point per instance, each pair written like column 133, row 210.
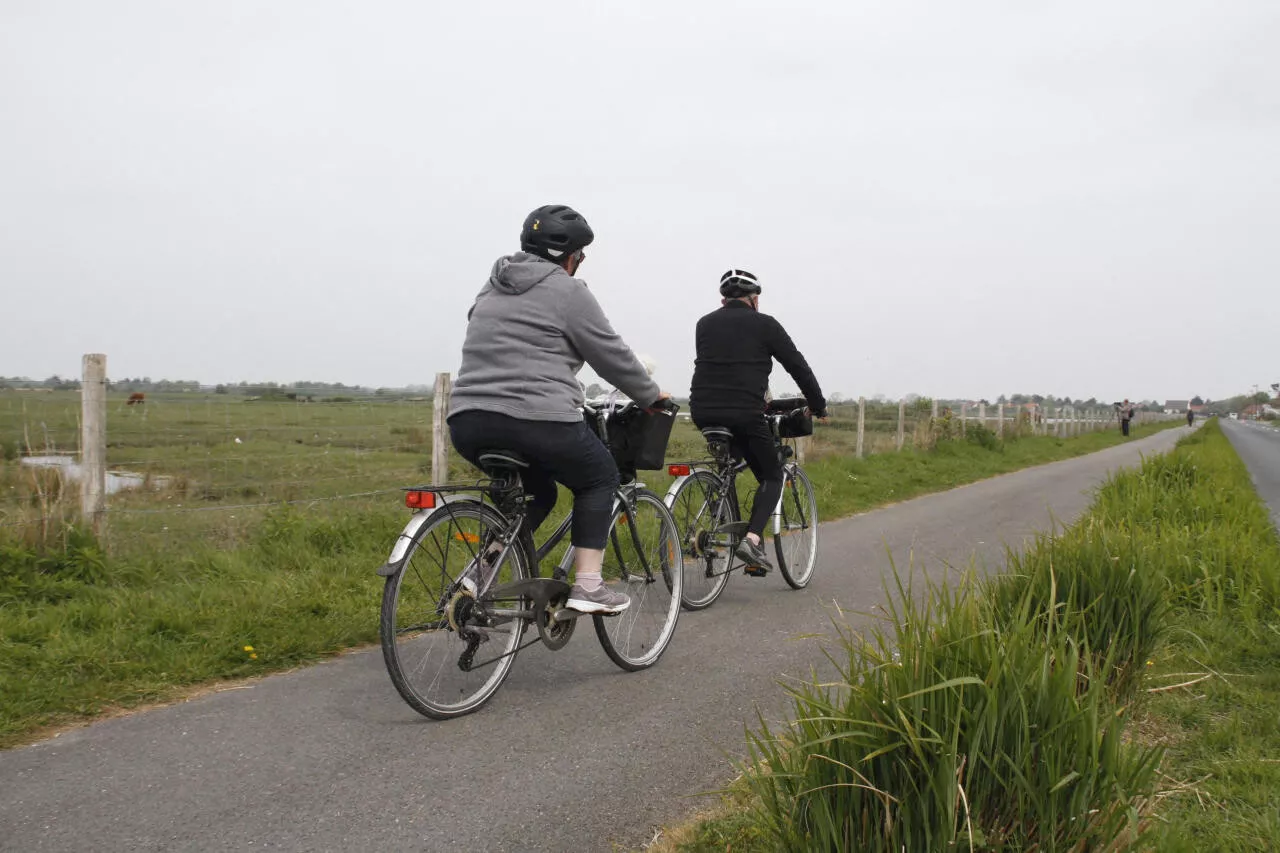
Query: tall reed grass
column 991, row 713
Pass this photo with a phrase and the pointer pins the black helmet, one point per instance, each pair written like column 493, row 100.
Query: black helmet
column 737, row 283
column 555, row 231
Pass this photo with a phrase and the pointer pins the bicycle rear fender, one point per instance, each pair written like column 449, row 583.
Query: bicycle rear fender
column 393, row 563
column 670, row 498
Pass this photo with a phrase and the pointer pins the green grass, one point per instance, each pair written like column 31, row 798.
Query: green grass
column 190, row 574
column 1221, row 737
column 1029, row 710
column 82, row 634
column 1222, row 733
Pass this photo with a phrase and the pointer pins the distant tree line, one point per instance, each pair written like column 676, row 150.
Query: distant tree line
column 53, row 383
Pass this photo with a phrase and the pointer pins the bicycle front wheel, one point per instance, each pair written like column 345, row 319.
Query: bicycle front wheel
column 707, row 556
column 642, row 558
column 795, row 531
column 429, row 621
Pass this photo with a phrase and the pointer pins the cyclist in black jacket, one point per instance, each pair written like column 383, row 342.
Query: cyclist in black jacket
column 736, row 347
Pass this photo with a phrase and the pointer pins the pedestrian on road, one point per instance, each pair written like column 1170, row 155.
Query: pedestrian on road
column 1126, row 415
column 1191, row 417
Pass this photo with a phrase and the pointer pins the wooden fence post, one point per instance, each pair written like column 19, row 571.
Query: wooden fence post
column 93, row 440
column 440, row 430
column 982, row 414
column 935, row 409
column 902, row 419
column 862, row 421
column 1000, row 420
column 964, row 417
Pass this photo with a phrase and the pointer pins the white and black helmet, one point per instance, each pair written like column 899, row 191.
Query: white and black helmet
column 737, row 283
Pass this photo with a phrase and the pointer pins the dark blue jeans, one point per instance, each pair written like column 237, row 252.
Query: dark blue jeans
column 568, row 453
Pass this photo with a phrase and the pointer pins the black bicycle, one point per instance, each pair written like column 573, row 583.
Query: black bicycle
column 463, row 584
column 704, row 501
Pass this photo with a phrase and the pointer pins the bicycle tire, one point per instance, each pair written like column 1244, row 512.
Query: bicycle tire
column 635, row 638
column 416, row 592
column 795, row 528
column 697, row 507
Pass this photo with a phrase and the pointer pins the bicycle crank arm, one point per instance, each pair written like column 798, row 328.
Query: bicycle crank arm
column 541, row 591
column 564, row 614
column 736, row 529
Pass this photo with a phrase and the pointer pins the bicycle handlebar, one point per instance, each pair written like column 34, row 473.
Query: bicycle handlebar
column 783, row 405
column 618, row 407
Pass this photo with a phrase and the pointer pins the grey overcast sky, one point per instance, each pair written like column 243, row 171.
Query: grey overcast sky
column 951, row 199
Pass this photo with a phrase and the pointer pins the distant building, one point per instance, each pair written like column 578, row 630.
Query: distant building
column 1176, row 407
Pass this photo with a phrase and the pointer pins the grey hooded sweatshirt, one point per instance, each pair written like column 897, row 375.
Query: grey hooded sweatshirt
column 530, row 330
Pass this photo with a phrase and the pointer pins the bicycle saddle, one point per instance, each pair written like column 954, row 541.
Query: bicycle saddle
column 501, row 460
column 717, row 433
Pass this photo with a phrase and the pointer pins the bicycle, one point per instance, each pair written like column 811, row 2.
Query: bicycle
column 464, row 576
column 704, row 501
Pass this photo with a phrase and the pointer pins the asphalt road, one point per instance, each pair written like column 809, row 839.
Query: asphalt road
column 1259, row 447
column 572, row 754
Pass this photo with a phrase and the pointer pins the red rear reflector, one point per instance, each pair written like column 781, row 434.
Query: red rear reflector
column 678, row 470
column 420, row 500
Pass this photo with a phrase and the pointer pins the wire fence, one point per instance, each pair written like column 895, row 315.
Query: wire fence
column 209, row 466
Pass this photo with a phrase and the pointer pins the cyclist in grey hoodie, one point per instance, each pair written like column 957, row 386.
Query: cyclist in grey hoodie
column 532, row 327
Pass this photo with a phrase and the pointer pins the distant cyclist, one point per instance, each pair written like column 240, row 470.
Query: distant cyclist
column 530, row 330
column 736, row 346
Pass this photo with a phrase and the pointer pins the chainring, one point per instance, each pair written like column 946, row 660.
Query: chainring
column 555, row 634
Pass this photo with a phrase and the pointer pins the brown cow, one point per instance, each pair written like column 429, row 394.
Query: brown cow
column 136, row 398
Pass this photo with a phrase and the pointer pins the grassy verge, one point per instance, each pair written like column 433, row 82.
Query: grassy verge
column 1221, row 732
column 1116, row 689
column 242, row 592
column 846, row 484
column 82, row 633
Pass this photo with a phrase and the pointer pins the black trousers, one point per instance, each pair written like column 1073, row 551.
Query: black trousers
column 1124, row 426
column 753, row 441
column 568, row 453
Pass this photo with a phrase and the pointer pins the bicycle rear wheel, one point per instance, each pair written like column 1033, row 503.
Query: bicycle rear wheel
column 642, row 559
column 795, row 530
column 698, row 510
column 426, row 614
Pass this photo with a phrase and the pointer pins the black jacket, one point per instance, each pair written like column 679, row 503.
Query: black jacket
column 736, row 347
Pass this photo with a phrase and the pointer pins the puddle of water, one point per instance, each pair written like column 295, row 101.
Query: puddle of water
column 73, row 471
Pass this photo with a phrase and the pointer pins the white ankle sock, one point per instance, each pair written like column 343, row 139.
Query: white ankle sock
column 589, row 582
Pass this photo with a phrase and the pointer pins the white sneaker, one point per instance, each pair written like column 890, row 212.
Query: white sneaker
column 601, row 600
